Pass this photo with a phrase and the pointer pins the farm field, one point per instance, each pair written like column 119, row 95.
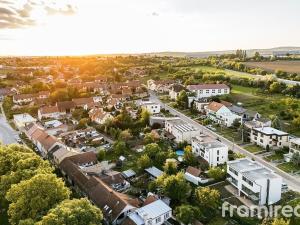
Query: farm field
column 288, row 66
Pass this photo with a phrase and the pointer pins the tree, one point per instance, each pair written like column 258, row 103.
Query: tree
column 236, row 123
column 125, row 135
column 145, row 117
column 75, row 212
column 182, row 100
column 151, row 137
column 189, row 156
column 101, row 155
column 217, row 173
column 276, row 122
column 119, row 147
column 207, row 198
column 34, row 197
column 170, row 167
column 175, row 187
column 296, row 159
column 152, row 149
column 186, row 214
column 276, row 87
column 18, row 163
column 144, row 162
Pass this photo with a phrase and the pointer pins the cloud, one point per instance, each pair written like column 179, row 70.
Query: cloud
column 15, row 15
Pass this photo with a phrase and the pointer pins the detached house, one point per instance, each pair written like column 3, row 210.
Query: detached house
column 175, row 89
column 254, row 181
column 220, row 114
column 99, row 116
column 268, row 136
column 208, row 90
column 151, row 107
column 83, row 102
column 23, row 98
column 66, row 106
column 50, row 112
column 160, row 86
column 294, row 149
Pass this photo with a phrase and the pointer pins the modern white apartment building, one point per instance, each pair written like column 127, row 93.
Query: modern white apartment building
column 211, row 150
column 294, row 148
column 181, row 130
column 151, row 107
column 208, row 90
column 254, row 181
column 268, row 136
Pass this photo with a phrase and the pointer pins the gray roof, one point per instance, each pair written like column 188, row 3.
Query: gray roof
column 153, row 171
column 128, row 173
column 237, row 109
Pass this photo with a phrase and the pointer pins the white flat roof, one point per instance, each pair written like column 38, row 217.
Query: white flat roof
column 24, row 117
column 154, row 209
column 154, row 171
column 270, row 130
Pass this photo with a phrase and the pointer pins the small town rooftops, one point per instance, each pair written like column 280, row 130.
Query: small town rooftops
column 207, row 86
column 270, row 131
column 193, row 171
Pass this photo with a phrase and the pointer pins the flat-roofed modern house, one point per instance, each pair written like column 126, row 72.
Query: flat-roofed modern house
column 181, row 130
column 208, row 90
column 269, row 136
column 22, row 120
column 254, row 181
column 212, row 151
column 151, row 107
column 155, row 213
column 294, row 148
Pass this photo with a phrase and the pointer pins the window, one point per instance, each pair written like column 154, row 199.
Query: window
column 261, row 141
column 219, row 90
column 247, row 181
column 207, row 91
column 158, row 219
column 218, row 152
column 167, row 215
column 213, row 91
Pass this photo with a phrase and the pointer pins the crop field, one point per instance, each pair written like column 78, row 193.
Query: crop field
column 288, row 66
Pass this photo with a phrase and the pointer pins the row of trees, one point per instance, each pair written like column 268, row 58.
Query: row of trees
column 34, row 195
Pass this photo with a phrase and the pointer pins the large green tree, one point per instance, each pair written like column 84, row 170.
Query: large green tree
column 34, row 197
column 207, row 198
column 73, row 212
column 186, row 214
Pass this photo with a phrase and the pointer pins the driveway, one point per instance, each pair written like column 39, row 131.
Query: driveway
column 7, row 134
column 291, row 181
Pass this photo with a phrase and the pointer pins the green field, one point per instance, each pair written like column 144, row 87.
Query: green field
column 209, row 69
column 288, row 167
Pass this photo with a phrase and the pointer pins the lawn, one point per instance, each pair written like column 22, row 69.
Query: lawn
column 288, row 167
column 218, row 221
column 274, row 157
column 253, row 148
column 229, row 133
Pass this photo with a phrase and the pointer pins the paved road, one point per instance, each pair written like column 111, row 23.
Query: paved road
column 7, row 134
column 291, row 181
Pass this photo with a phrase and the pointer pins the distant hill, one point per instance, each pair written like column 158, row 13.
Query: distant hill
column 250, row 52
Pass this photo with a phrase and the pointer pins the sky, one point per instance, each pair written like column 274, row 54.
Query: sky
column 76, row 27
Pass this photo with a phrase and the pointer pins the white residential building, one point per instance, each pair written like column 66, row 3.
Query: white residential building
column 208, row 90
column 21, row 120
column 268, row 136
column 155, row 213
column 211, row 150
column 99, row 116
column 201, row 104
column 151, row 107
column 254, row 181
column 294, row 148
column 220, row 114
column 181, row 130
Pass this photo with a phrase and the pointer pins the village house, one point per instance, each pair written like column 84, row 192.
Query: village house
column 175, row 89
column 6, row 92
column 211, row 150
column 180, row 130
column 21, row 120
column 254, row 181
column 50, row 112
column 151, row 107
column 220, row 114
column 160, row 86
column 82, row 102
column 200, row 104
column 21, row 99
column 66, row 106
column 99, row 116
column 208, row 90
column 268, row 137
